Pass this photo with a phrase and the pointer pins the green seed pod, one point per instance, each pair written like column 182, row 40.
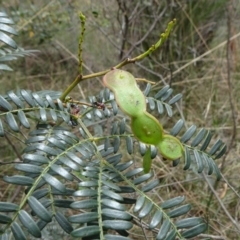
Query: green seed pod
column 127, row 94
column 147, row 129
column 170, row 147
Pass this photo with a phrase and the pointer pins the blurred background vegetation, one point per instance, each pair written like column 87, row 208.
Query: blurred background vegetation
column 199, row 60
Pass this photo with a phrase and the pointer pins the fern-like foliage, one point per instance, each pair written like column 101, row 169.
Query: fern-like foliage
column 7, row 54
column 85, row 170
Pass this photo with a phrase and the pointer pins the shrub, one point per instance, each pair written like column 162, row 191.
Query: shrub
column 75, row 165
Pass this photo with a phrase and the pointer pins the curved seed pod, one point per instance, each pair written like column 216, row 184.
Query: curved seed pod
column 147, row 129
column 128, row 96
column 170, row 147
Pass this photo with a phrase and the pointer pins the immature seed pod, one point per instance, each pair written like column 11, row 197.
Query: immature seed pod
column 170, row 147
column 127, row 94
column 147, row 129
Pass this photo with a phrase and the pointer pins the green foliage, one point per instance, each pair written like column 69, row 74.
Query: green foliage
column 86, row 169
column 7, row 54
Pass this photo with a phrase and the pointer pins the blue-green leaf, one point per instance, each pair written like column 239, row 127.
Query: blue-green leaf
column 156, row 219
column 194, row 231
column 12, row 122
column 83, row 217
column 85, row 231
column 7, row 40
column 8, row 207
column 17, row 232
column 112, row 213
column 164, row 230
column 28, row 222
column 117, row 224
column 39, row 209
column 63, row 222
column 172, row 202
column 54, row 182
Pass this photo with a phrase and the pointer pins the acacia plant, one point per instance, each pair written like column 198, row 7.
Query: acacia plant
column 82, row 181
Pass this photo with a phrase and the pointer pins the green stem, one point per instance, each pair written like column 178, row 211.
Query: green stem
column 83, row 20
column 79, row 78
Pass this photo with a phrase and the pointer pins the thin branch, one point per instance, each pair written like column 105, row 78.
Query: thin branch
column 13, row 147
column 229, row 82
column 221, row 203
column 197, row 59
column 123, row 8
column 79, row 78
column 147, row 33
